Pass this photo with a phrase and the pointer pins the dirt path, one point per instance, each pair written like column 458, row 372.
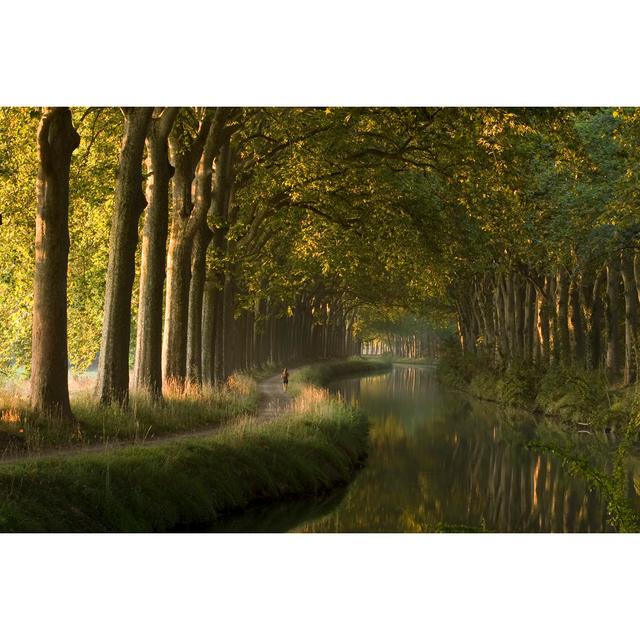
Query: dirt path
column 272, row 402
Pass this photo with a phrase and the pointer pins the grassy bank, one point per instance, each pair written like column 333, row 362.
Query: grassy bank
column 195, row 480
column 182, row 411
column 322, row 373
column 416, row 361
column 576, row 396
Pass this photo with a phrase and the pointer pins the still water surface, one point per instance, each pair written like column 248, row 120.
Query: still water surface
column 440, row 461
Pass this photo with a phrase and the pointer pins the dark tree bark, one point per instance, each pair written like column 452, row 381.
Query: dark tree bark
column 57, row 140
column 518, row 314
column 501, row 330
column 218, row 312
column 563, row 316
column 148, row 361
column 631, row 316
column 227, row 323
column 196, row 295
column 130, row 201
column 209, row 329
column 597, row 312
column 613, row 318
column 509, row 315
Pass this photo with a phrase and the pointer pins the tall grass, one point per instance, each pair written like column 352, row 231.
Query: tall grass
column 182, row 411
column 193, row 480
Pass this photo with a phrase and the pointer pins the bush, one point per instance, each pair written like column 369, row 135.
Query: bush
column 578, row 395
column 324, row 372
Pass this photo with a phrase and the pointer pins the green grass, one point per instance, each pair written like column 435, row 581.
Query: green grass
column 144, row 420
column 416, row 361
column 322, row 373
column 167, row 486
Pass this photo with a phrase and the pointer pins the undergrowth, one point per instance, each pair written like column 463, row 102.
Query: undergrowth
column 182, row 411
column 575, row 395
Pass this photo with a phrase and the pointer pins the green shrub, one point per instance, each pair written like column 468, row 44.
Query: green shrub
column 323, row 372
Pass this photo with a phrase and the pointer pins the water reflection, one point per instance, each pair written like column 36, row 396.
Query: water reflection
column 439, row 459
column 442, row 462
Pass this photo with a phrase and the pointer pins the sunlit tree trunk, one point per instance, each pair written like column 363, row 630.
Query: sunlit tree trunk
column 147, row 372
column 113, row 370
column 57, row 140
column 553, row 318
column 543, row 304
column 193, row 160
column 577, row 323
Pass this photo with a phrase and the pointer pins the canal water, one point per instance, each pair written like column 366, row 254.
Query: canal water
column 440, row 461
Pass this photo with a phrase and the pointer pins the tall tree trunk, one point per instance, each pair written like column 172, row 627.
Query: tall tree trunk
column 208, row 329
column 227, row 325
column 631, row 316
column 529, row 321
column 113, row 370
column 553, row 319
column 196, row 294
column 147, row 372
column 501, row 331
column 509, row 317
column 194, row 154
column 597, row 311
column 518, row 314
column 563, row 316
column 577, row 322
column 613, row 317
column 544, row 304
column 57, row 140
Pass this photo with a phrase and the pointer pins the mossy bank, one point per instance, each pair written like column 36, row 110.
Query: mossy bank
column 575, row 396
column 322, row 373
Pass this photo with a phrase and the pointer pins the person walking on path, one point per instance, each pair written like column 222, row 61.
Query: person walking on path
column 285, row 379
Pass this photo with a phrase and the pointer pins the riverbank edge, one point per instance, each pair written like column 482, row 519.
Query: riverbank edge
column 195, row 480
column 486, row 386
column 322, row 373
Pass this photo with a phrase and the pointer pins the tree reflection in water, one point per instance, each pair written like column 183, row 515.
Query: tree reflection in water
column 440, row 461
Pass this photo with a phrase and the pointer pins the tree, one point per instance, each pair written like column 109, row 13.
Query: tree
column 57, row 140
column 130, row 201
column 148, row 363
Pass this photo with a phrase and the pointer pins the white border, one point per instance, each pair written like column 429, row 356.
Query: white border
column 494, row 52
column 337, row 52
column 320, row 586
